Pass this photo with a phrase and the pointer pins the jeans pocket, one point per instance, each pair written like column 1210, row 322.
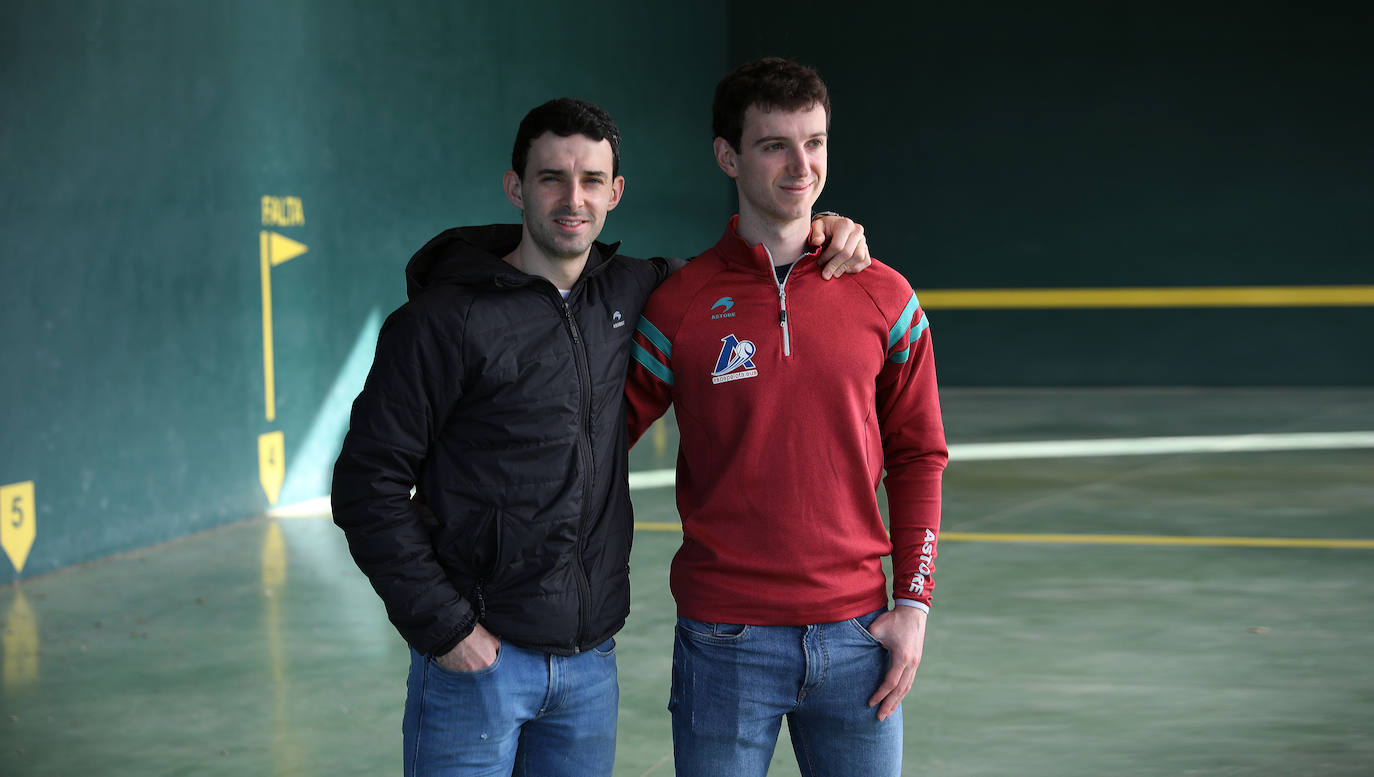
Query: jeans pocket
column 703, row 631
column 862, row 623
column 605, row 649
column 443, row 671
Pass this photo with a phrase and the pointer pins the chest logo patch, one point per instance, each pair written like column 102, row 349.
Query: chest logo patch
column 618, row 319
column 723, row 305
column 736, row 360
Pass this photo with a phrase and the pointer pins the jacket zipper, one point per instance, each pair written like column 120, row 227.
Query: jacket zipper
column 479, row 593
column 584, row 445
column 782, row 310
column 479, row 590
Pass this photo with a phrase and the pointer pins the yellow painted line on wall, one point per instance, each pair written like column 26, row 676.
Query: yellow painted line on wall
column 1115, row 539
column 269, row 382
column 1150, row 297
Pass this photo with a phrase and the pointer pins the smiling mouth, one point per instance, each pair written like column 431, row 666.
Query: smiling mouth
column 570, row 224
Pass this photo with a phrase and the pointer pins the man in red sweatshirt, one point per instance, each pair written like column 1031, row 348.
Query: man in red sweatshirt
column 792, row 396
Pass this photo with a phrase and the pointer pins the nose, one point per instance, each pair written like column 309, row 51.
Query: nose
column 575, row 194
column 796, row 162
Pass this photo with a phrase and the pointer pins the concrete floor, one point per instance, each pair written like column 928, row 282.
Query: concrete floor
column 258, row 648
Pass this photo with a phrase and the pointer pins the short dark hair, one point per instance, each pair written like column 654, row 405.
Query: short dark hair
column 565, row 117
column 771, row 83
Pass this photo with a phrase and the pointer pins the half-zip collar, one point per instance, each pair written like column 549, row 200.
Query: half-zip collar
column 756, row 259
column 738, row 253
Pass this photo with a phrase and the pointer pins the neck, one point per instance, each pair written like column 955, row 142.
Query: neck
column 561, row 272
column 786, row 241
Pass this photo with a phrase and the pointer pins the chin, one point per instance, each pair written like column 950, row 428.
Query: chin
column 571, row 252
column 795, row 212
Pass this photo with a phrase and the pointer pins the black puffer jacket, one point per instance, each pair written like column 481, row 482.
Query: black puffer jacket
column 504, row 407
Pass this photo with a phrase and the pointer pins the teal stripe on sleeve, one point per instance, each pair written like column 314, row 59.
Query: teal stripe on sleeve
column 905, row 353
column 648, row 362
column 903, row 322
column 654, row 336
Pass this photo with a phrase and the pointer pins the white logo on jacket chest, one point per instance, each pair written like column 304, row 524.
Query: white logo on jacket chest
column 618, row 319
column 736, row 360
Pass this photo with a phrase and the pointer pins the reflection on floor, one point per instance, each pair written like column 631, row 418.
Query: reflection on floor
column 259, row 649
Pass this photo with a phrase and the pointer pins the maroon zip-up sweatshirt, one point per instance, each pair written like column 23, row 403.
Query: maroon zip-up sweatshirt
column 792, row 397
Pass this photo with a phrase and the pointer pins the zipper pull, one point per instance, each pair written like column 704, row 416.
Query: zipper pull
column 782, row 321
column 481, row 601
column 572, row 324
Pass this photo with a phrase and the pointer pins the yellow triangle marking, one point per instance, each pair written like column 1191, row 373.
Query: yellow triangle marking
column 283, row 249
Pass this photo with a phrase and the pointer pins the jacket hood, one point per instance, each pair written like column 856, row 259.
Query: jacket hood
column 472, row 256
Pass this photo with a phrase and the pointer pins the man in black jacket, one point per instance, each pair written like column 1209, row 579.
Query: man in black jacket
column 496, row 394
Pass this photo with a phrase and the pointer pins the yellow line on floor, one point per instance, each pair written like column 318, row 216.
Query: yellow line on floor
column 1118, row 539
column 1150, row 297
column 1146, row 539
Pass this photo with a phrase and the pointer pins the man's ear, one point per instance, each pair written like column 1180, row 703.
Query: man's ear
column 727, row 157
column 511, row 184
column 617, row 191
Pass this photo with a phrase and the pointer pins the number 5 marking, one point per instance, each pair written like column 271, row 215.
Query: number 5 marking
column 19, row 527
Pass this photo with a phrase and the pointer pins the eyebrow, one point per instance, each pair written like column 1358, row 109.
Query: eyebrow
column 555, row 171
column 775, row 138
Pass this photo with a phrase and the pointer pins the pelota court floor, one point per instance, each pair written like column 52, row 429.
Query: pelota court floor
column 1203, row 609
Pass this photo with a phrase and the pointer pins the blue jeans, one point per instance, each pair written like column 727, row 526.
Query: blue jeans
column 529, row 713
column 733, row 684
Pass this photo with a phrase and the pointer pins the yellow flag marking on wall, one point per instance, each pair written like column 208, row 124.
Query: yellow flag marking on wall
column 273, row 250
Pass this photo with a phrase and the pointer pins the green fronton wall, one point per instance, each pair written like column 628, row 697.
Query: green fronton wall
column 138, row 142
column 1011, row 145
column 151, row 149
